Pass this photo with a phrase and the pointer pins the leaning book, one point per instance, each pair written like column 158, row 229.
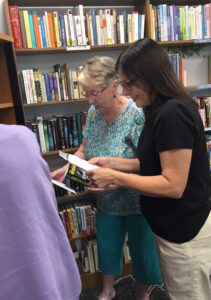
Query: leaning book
column 76, row 172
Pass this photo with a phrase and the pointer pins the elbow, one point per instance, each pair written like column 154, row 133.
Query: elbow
column 177, row 192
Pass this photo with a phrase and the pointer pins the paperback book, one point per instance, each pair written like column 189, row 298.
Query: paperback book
column 76, row 172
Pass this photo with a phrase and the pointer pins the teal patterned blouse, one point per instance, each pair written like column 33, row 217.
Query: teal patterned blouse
column 117, row 139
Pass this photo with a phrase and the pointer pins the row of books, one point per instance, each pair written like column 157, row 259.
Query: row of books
column 79, row 219
column 59, row 131
column 75, row 27
column 59, row 85
column 173, row 22
column 177, row 62
column 204, row 106
column 62, row 84
column 86, row 255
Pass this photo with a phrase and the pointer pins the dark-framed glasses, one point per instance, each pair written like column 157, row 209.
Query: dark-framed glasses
column 94, row 94
column 127, row 84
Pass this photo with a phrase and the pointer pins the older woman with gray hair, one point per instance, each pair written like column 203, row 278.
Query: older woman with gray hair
column 113, row 126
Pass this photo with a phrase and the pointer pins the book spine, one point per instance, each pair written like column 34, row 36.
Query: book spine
column 16, row 27
column 47, row 86
column 31, row 25
column 36, row 29
column 51, row 29
column 62, row 29
column 56, row 29
column 27, row 28
column 44, row 42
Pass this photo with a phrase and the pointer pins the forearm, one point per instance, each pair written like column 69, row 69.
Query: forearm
column 81, row 150
column 80, row 154
column 125, row 164
column 155, row 186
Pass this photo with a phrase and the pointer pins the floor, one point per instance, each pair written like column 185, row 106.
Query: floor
column 125, row 290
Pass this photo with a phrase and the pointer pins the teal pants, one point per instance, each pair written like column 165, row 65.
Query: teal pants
column 111, row 233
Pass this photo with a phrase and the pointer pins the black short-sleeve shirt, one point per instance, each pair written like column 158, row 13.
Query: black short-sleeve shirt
column 176, row 125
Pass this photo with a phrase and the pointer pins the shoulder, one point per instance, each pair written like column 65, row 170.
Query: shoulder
column 135, row 112
column 179, row 107
column 92, row 113
column 16, row 133
column 18, row 137
column 179, row 104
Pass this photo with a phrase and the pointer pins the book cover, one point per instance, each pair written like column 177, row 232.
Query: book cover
column 76, row 171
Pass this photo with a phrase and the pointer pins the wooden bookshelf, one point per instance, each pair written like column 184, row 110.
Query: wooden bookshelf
column 11, row 110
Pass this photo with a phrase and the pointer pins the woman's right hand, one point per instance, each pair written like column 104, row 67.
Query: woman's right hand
column 102, row 161
column 60, row 173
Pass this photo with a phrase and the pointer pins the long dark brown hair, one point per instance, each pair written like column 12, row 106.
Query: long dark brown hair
column 146, row 61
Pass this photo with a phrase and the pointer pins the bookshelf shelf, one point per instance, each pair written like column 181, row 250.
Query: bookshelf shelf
column 74, row 101
column 6, row 105
column 207, row 129
column 4, row 38
column 34, row 51
column 185, row 42
column 70, row 150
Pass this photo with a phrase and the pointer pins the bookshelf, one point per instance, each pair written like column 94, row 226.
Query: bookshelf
column 12, row 110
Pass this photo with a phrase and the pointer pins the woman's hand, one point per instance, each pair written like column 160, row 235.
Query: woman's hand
column 59, row 174
column 102, row 177
column 102, row 161
column 106, row 189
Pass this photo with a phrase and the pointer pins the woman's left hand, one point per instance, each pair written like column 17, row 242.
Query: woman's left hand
column 101, row 177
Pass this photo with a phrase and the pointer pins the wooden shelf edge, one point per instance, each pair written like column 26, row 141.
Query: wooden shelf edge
column 6, row 105
column 32, row 51
column 70, row 150
column 73, row 101
column 5, row 38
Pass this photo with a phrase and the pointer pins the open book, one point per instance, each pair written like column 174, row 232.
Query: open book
column 75, row 172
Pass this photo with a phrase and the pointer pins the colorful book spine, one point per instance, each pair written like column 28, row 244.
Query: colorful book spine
column 36, row 29
column 27, row 28
column 31, row 25
column 44, row 42
column 16, row 27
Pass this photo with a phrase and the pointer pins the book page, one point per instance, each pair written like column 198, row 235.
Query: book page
column 64, row 186
column 74, row 160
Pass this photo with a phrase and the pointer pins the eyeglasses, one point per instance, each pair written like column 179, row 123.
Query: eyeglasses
column 94, row 94
column 127, row 84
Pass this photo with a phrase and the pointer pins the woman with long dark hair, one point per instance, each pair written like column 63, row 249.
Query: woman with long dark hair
column 172, row 162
